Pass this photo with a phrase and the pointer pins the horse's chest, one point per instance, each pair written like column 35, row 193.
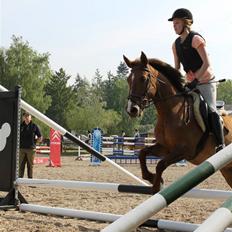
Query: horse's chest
column 165, row 134
column 171, row 133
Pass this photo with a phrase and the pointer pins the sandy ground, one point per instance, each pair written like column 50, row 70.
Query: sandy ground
column 187, row 210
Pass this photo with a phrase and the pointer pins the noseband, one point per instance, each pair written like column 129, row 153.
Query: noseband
column 143, row 101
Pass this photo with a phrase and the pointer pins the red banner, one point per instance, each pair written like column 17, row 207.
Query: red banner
column 55, row 148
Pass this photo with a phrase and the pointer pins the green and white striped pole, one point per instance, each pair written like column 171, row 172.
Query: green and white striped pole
column 219, row 220
column 154, row 204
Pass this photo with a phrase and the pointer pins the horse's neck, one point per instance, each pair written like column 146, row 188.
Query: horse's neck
column 164, row 100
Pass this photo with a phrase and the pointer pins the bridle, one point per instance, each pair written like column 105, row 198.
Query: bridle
column 143, row 101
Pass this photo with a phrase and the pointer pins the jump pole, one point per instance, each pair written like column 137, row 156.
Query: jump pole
column 71, row 137
column 219, row 220
column 120, row 188
column 74, row 213
column 108, row 217
column 154, row 204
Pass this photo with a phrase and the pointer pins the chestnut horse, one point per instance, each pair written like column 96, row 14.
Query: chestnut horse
column 154, row 81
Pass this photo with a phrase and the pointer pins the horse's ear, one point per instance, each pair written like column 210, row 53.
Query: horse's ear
column 143, row 59
column 127, row 61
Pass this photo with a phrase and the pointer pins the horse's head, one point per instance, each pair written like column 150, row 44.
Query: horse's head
column 142, row 85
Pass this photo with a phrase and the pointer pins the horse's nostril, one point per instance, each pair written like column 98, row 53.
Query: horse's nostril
column 134, row 110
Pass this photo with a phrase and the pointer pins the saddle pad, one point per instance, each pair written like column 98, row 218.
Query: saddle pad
column 196, row 110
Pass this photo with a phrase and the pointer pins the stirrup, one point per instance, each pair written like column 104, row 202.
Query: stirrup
column 219, row 147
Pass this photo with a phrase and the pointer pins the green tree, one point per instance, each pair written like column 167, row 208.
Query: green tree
column 121, row 93
column 108, row 93
column 2, row 65
column 81, row 89
column 115, row 92
column 148, row 120
column 62, row 97
column 97, row 81
column 90, row 109
column 122, row 70
column 21, row 65
column 92, row 115
column 224, row 92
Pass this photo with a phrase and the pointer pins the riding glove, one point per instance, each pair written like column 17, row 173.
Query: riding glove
column 193, row 84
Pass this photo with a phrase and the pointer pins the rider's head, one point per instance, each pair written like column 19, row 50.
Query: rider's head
column 182, row 19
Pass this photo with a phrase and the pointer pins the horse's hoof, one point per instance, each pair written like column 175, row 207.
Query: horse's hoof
column 155, row 190
column 149, row 177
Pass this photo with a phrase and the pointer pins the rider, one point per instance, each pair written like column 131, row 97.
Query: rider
column 189, row 50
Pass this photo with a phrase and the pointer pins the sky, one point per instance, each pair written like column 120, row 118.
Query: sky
column 84, row 35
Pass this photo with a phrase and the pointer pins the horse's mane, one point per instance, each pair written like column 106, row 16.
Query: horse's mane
column 172, row 74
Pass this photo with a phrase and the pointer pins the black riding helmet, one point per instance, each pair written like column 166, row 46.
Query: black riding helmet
column 181, row 13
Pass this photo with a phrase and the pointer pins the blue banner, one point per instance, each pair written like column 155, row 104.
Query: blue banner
column 96, row 143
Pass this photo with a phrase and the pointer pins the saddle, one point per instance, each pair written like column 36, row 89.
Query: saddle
column 202, row 114
column 201, row 110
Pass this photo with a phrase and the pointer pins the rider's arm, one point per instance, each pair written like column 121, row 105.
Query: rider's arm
column 202, row 52
column 199, row 44
column 176, row 59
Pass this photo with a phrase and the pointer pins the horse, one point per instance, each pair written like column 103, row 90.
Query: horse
column 177, row 132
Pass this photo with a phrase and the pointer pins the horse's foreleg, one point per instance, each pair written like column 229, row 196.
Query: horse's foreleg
column 146, row 175
column 156, row 150
column 158, row 180
column 161, row 166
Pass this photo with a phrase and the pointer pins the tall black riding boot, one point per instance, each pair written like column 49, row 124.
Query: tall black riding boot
column 217, row 129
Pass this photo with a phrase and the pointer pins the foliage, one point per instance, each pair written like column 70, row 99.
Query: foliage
column 21, row 65
column 90, row 108
column 149, row 116
column 122, row 70
column 91, row 116
column 62, row 97
column 79, row 107
column 81, row 89
column 224, row 92
column 97, row 83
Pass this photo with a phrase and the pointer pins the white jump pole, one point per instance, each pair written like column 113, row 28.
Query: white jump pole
column 73, row 138
column 219, row 220
column 154, row 204
column 68, row 212
column 115, row 187
column 107, row 217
